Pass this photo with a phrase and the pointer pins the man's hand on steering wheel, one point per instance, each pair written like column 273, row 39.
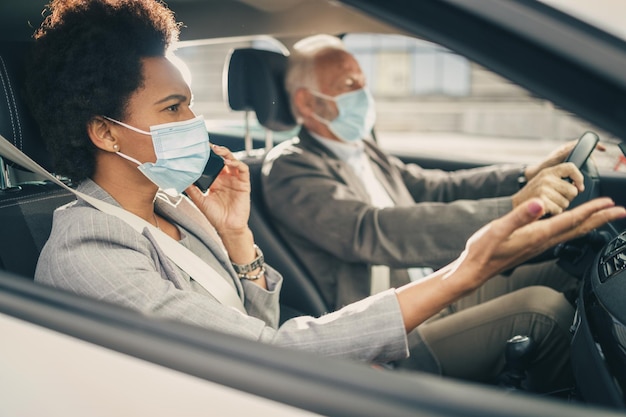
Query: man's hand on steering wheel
column 555, row 157
column 546, row 179
column 549, row 185
column 582, row 185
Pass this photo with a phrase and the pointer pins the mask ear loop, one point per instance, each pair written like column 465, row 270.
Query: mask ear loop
column 116, row 147
column 143, row 132
column 325, row 97
column 321, row 119
column 322, row 95
column 130, row 158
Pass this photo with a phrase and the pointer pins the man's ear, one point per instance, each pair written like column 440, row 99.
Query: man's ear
column 304, row 101
column 101, row 135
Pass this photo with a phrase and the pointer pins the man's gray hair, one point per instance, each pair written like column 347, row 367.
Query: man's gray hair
column 301, row 67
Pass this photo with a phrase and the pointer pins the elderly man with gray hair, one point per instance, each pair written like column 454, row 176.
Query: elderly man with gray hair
column 360, row 220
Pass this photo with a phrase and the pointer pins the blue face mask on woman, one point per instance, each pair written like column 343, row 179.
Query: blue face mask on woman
column 182, row 150
column 356, row 114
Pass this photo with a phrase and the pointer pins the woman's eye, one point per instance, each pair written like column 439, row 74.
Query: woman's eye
column 173, row 107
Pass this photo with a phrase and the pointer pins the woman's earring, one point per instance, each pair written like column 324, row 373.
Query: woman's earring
column 116, row 147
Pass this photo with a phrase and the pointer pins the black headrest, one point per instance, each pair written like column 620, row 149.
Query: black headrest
column 255, row 81
column 16, row 123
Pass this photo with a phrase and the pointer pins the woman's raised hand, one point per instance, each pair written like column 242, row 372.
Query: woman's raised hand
column 500, row 245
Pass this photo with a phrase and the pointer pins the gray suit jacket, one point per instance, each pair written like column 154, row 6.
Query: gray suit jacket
column 323, row 210
column 98, row 255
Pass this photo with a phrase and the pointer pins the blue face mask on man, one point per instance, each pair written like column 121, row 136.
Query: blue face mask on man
column 356, row 114
column 182, row 150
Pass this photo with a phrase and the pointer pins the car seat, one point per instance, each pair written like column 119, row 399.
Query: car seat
column 254, row 83
column 26, row 202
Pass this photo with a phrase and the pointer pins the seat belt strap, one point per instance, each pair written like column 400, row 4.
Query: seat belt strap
column 196, row 268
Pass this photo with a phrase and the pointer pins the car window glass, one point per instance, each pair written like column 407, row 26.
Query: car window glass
column 433, row 102
column 430, row 102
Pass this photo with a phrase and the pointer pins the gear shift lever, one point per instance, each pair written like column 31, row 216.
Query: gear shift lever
column 518, row 353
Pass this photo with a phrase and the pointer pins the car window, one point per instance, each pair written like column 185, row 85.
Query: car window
column 430, row 102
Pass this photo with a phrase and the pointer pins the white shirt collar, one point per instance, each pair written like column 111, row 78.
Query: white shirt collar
column 350, row 152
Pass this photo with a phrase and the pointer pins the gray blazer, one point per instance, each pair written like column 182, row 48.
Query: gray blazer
column 98, row 255
column 324, row 212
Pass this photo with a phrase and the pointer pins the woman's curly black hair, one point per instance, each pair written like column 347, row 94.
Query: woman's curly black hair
column 86, row 62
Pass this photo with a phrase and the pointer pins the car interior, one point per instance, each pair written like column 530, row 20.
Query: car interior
column 253, row 82
column 253, row 85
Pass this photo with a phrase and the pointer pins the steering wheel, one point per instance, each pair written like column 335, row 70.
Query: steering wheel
column 579, row 251
column 579, row 156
